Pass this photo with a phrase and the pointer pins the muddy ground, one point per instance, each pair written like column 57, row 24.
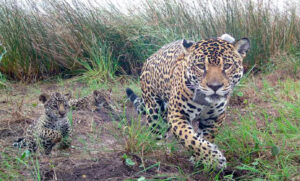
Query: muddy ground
column 98, row 144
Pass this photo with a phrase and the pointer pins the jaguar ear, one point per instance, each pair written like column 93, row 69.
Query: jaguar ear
column 242, row 46
column 186, row 44
column 44, row 97
column 227, row 37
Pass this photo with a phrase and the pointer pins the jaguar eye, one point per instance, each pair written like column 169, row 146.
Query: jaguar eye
column 227, row 66
column 201, row 66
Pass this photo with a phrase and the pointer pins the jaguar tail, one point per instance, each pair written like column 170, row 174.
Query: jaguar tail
column 138, row 102
column 20, row 143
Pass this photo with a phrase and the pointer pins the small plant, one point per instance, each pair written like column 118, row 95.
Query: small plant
column 140, row 138
column 128, row 161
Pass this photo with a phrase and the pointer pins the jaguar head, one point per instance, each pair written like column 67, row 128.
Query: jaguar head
column 56, row 105
column 101, row 96
column 214, row 66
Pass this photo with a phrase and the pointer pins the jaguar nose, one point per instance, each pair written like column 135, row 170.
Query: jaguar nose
column 62, row 113
column 215, row 86
column 61, row 110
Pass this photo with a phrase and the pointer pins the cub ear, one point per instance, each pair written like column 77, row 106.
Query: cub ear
column 186, row 44
column 242, row 46
column 44, row 97
column 96, row 93
column 68, row 95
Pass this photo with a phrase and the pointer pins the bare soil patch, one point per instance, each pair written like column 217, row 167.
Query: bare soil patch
column 108, row 167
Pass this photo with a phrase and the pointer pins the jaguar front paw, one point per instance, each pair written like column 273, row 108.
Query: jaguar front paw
column 210, row 155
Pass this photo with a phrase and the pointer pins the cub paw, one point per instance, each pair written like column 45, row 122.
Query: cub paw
column 64, row 144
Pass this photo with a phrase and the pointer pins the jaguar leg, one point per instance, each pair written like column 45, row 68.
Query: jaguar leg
column 209, row 128
column 203, row 150
column 47, row 145
column 32, row 144
column 156, row 115
column 49, row 138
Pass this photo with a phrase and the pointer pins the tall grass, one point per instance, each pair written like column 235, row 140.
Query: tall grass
column 2, row 53
column 68, row 38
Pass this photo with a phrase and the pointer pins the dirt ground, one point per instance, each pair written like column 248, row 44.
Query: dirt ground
column 97, row 146
column 97, row 143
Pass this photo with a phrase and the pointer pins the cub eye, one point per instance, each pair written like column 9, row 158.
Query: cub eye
column 201, row 66
column 227, row 66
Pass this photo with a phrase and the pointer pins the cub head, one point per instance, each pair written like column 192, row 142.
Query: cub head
column 214, row 66
column 101, row 97
column 56, row 105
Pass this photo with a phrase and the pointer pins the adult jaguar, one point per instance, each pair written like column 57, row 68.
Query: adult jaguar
column 189, row 81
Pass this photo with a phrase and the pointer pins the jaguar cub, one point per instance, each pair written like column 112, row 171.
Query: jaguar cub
column 188, row 81
column 93, row 102
column 51, row 128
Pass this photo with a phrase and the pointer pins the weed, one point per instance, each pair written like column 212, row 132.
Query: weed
column 100, row 67
column 151, row 166
column 128, row 161
column 139, row 138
